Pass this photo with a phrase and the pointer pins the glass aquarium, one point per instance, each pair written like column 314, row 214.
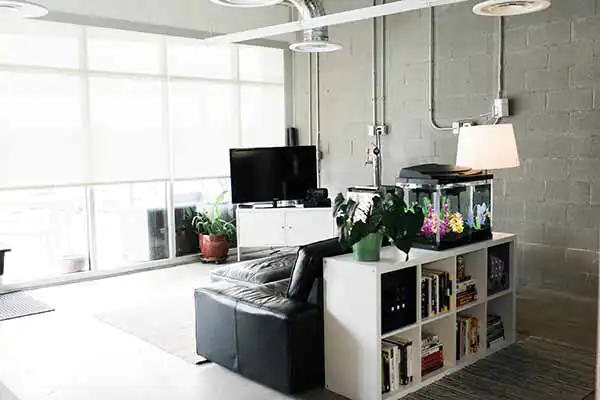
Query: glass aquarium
column 456, row 202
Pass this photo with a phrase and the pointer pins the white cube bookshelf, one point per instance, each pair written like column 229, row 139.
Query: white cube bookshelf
column 352, row 316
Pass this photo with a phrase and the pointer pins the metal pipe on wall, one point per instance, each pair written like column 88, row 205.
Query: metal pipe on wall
column 376, row 152
column 500, row 60
column 318, row 115
column 431, row 86
column 310, row 99
column 374, row 69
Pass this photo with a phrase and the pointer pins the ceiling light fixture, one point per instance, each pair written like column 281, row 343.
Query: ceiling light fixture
column 315, row 40
column 507, row 8
column 246, row 3
column 315, row 46
column 16, row 9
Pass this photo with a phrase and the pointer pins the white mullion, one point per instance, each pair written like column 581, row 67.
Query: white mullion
column 168, row 129
column 235, row 53
column 90, row 201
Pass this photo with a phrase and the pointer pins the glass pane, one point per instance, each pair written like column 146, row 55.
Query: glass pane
column 39, row 43
column 188, row 57
column 129, row 140
column 190, row 196
column 130, row 224
column 46, row 232
column 263, row 116
column 204, row 123
column 41, row 130
column 123, row 51
column 261, row 64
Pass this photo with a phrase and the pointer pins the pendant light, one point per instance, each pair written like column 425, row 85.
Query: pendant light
column 17, row 9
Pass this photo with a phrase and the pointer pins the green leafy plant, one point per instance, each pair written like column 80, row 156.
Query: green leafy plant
column 386, row 214
column 212, row 223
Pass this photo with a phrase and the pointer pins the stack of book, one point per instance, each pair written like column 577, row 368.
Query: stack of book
column 466, row 291
column 495, row 331
column 436, row 293
column 397, row 368
column 432, row 353
column 467, row 336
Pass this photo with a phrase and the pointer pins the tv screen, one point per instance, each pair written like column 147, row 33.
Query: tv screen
column 273, row 173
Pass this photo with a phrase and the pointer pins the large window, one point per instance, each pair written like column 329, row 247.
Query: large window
column 107, row 134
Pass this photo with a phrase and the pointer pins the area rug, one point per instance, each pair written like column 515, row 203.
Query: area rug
column 20, row 304
column 167, row 324
column 529, row 370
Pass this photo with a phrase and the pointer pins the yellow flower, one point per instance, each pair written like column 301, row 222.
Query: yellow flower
column 456, row 223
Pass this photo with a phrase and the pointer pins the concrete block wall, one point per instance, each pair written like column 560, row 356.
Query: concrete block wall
column 552, row 77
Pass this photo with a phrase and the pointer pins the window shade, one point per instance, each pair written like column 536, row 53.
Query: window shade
column 83, row 105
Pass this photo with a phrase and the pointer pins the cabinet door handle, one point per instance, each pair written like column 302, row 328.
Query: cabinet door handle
column 283, row 228
column 290, row 227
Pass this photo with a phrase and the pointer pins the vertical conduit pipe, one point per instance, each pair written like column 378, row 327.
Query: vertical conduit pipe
column 318, row 115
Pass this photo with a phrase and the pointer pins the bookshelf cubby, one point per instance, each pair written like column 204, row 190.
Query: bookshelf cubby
column 355, row 317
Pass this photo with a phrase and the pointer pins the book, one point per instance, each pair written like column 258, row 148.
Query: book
column 433, row 358
column 424, row 297
column 387, row 367
column 462, row 286
column 428, row 339
column 432, row 369
column 392, row 364
column 405, row 356
column 431, row 350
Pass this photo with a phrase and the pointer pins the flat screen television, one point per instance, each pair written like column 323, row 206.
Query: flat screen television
column 272, row 173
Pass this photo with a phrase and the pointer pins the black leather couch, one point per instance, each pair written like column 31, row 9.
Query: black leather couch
column 264, row 320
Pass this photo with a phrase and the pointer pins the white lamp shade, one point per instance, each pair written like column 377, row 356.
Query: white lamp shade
column 488, row 147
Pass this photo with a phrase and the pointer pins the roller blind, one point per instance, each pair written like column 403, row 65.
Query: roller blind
column 82, row 105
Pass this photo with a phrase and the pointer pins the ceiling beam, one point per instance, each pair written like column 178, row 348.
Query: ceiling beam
column 330, row 20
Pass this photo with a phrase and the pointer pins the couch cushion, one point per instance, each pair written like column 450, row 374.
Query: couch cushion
column 309, row 266
column 266, row 298
column 258, row 272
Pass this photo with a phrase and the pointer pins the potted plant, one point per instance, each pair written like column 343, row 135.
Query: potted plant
column 363, row 226
column 215, row 232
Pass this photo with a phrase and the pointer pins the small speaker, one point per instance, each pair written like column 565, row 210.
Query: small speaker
column 292, row 136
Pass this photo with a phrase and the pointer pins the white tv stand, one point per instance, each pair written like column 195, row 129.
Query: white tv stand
column 352, row 316
column 282, row 227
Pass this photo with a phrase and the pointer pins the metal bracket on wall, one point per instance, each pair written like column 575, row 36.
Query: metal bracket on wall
column 379, row 130
column 456, row 125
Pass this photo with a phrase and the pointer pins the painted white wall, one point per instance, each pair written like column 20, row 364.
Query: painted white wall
column 199, row 15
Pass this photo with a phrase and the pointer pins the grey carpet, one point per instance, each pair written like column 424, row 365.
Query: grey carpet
column 167, row 324
column 20, row 304
column 529, row 370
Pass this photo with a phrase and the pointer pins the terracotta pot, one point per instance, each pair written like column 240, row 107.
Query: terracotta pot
column 214, row 248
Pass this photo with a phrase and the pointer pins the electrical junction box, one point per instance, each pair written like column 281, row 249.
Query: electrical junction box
column 501, row 108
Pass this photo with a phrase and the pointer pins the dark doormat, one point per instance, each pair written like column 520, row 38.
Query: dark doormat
column 20, row 304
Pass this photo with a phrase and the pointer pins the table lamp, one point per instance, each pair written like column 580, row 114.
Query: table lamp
column 488, row 147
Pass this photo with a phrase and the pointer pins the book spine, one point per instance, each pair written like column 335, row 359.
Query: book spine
column 451, row 294
column 409, row 366
column 423, row 297
column 404, row 369
column 397, row 366
column 386, row 370
column 429, row 308
column 431, row 350
column 432, row 363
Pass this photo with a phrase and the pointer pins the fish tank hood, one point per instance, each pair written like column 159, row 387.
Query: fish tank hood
column 441, row 174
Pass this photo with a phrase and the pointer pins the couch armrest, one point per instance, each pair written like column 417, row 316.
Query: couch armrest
column 267, row 338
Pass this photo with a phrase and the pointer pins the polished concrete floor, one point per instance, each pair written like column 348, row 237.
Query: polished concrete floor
column 73, row 354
